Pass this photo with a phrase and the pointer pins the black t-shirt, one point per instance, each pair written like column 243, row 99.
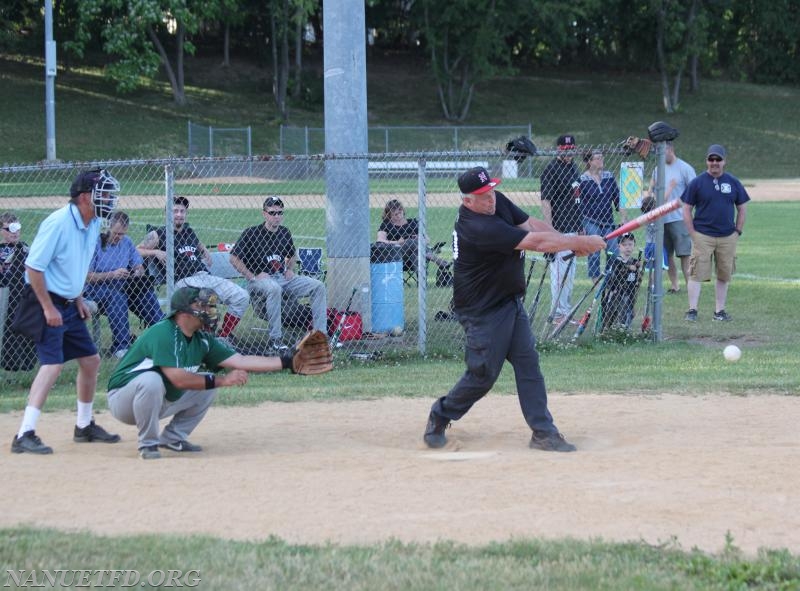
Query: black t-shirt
column 263, row 251
column 393, row 233
column 560, row 186
column 488, row 270
column 188, row 260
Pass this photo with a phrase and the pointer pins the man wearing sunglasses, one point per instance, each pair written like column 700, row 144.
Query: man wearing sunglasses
column 714, row 210
column 265, row 255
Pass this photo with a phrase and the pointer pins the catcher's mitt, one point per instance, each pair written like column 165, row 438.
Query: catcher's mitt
column 660, row 131
column 312, row 354
column 520, row 148
column 638, row 145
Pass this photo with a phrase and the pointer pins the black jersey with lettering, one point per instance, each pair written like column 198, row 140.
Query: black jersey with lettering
column 488, row 270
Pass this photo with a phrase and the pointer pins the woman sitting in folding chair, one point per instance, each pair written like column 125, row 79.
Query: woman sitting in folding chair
column 402, row 232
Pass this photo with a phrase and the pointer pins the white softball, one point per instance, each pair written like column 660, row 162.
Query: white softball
column 732, row 353
column 396, row 331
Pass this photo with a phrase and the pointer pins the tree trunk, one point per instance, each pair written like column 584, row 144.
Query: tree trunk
column 180, row 34
column 226, row 46
column 694, row 78
column 177, row 94
column 297, row 87
column 661, row 18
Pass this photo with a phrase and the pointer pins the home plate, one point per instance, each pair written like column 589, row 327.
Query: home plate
column 457, row 456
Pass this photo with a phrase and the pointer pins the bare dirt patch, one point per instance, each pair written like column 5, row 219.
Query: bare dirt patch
column 648, row 468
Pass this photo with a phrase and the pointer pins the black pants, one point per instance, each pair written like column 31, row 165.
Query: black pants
column 500, row 334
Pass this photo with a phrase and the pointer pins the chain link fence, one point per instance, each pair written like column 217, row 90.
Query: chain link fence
column 387, row 139
column 398, row 296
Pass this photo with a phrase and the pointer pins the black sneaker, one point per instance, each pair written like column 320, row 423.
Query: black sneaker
column 550, row 441
column 93, row 432
column 434, row 430
column 149, row 452
column 691, row 315
column 29, row 443
column 182, row 445
column 722, row 316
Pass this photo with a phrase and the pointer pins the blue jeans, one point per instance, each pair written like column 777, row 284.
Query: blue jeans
column 593, row 261
column 113, row 302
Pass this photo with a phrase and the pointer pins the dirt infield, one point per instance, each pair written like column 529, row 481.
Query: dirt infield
column 759, row 190
column 652, row 468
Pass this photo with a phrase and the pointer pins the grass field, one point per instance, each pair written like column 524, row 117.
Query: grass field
column 758, row 126
column 756, row 123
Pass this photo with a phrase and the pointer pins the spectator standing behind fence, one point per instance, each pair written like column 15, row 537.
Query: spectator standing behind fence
column 599, row 194
column 561, row 209
column 719, row 202
column 677, row 242
column 265, row 255
column 402, row 232
column 192, row 261
column 117, row 282
column 19, row 352
column 56, row 268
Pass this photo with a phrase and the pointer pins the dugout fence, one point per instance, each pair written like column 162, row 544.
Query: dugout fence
column 337, row 233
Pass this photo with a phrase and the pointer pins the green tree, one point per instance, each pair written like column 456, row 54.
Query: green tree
column 138, row 33
column 467, row 41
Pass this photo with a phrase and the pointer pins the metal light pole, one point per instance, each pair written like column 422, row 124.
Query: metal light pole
column 49, row 80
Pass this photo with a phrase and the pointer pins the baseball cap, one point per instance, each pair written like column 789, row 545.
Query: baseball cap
column 85, row 182
column 271, row 201
column 565, row 142
column 184, row 297
column 181, row 200
column 476, row 181
column 716, row 150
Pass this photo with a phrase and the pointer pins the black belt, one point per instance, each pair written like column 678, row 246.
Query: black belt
column 60, row 301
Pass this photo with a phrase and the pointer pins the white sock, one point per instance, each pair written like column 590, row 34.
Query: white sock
column 29, row 420
column 84, row 414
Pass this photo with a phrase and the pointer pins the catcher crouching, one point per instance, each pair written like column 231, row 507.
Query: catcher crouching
column 160, row 374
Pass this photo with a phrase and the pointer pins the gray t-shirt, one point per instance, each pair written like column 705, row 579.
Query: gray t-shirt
column 682, row 173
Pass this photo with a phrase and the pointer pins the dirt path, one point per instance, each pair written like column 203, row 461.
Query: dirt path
column 648, row 468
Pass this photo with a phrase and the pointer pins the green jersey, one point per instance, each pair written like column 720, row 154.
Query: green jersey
column 165, row 345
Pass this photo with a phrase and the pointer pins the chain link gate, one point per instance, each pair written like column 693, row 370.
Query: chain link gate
column 399, row 302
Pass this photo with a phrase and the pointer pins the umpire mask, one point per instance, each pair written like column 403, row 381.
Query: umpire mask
column 184, row 299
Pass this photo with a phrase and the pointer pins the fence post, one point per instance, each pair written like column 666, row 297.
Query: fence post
column 658, row 255
column 422, row 267
column 169, row 197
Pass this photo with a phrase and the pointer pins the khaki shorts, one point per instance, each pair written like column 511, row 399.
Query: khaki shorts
column 721, row 250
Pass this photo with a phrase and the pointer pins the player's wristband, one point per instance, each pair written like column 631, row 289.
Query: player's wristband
column 211, row 381
column 739, row 232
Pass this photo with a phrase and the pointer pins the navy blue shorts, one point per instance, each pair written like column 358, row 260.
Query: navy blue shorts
column 71, row 340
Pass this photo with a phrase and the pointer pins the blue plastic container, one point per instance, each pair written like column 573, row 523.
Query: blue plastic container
column 387, row 296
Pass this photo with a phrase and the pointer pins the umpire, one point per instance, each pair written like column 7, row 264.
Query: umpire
column 491, row 235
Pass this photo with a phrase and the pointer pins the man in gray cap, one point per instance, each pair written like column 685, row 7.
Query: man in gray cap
column 719, row 204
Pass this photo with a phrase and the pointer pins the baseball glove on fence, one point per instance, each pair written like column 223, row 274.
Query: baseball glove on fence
column 638, row 145
column 520, row 148
column 661, row 131
column 312, row 355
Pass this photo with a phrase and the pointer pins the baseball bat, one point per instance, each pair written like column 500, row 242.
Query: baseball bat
column 641, row 220
column 646, row 318
column 535, row 304
column 560, row 327
column 584, row 321
column 528, row 280
column 342, row 320
column 554, row 304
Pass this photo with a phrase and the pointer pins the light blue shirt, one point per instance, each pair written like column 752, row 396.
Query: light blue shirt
column 62, row 250
column 682, row 173
column 122, row 255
